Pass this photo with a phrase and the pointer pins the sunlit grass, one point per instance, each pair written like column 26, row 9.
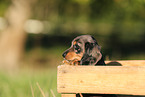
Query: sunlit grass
column 25, row 84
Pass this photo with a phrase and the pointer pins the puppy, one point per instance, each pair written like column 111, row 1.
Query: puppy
column 84, row 51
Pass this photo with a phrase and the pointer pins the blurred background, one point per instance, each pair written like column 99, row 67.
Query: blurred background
column 34, row 34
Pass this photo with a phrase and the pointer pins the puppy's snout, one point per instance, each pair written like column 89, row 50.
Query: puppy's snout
column 64, row 54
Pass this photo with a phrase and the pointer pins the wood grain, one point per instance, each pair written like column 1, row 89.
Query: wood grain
column 101, row 79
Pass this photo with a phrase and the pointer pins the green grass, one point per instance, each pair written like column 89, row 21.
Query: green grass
column 21, row 84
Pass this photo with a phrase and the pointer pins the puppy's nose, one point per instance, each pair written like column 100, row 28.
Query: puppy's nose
column 64, row 54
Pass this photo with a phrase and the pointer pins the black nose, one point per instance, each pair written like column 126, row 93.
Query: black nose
column 64, row 54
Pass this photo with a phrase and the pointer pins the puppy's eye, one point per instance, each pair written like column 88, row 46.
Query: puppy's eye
column 77, row 49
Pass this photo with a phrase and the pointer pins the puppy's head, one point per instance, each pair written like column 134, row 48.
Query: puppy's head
column 85, row 49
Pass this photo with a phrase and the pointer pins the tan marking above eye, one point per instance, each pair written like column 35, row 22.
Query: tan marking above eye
column 74, row 42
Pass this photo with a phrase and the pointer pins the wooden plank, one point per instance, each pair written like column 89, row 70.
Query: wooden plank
column 68, row 95
column 101, row 79
column 126, row 63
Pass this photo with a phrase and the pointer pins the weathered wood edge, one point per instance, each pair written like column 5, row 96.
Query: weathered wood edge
column 130, row 71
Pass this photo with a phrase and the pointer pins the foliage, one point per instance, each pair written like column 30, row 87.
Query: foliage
column 118, row 25
column 98, row 17
column 4, row 6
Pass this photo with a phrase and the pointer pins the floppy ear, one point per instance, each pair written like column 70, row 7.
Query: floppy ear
column 92, row 54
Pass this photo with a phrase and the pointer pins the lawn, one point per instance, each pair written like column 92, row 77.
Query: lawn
column 29, row 83
column 37, row 73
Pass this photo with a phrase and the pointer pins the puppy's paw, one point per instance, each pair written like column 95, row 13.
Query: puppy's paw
column 66, row 62
column 75, row 62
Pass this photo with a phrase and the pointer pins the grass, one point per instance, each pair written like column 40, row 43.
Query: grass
column 37, row 78
column 29, row 84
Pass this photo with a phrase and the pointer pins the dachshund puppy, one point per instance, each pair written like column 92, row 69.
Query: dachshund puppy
column 84, row 51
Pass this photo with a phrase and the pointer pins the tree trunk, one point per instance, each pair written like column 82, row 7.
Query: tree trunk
column 13, row 38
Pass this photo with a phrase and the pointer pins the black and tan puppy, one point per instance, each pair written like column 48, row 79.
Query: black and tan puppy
column 84, row 51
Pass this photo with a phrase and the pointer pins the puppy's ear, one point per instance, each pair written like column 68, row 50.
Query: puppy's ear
column 92, row 54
